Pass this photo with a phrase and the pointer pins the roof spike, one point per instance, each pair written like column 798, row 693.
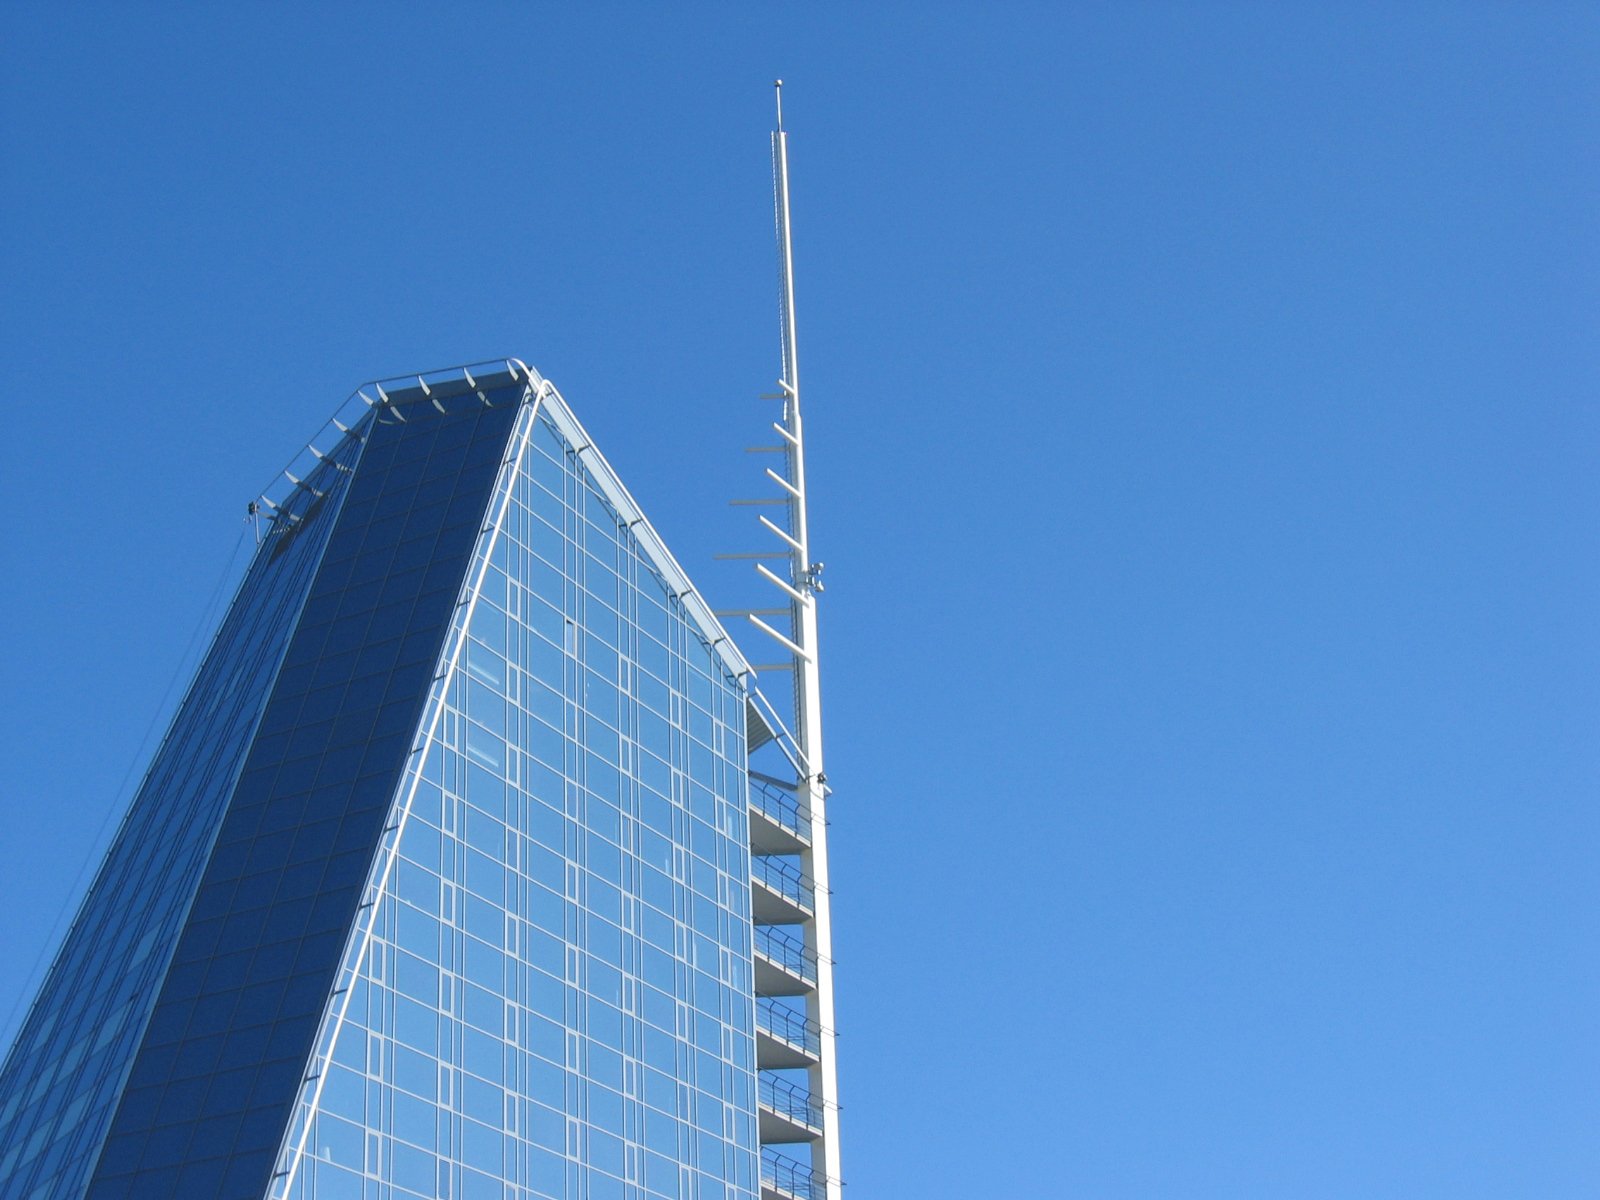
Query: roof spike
column 812, row 784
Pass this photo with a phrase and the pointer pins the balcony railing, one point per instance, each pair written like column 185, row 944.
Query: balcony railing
column 789, row 1026
column 781, row 804
column 788, row 951
column 791, row 1100
column 791, row 1177
column 785, row 878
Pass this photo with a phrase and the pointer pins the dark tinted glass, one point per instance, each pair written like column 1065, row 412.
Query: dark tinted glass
column 62, row 1074
column 295, row 844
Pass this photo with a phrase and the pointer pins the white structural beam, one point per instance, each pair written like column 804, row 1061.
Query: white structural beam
column 802, row 588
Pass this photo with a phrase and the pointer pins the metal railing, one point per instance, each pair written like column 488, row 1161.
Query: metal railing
column 785, row 878
column 790, row 1100
column 788, row 951
column 789, row 1026
column 781, row 804
column 792, row 1178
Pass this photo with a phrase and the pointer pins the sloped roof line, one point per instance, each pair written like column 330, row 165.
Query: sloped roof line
column 650, row 542
column 430, row 387
column 618, row 496
column 393, row 394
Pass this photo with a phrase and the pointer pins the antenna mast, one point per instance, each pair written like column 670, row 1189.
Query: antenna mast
column 799, row 642
column 807, row 575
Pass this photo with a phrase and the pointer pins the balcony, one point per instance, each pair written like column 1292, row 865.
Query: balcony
column 785, row 965
column 788, row 1111
column 778, row 822
column 783, row 894
column 782, row 1178
column 784, row 1037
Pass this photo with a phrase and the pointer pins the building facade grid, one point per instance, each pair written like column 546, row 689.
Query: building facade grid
column 453, row 878
column 557, row 998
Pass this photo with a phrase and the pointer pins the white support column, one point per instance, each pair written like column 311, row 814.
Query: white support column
column 811, row 788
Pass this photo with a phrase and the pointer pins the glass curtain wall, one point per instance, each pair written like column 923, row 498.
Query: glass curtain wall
column 63, row 1074
column 556, row 996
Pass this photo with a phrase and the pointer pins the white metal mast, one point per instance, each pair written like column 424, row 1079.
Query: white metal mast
column 801, row 588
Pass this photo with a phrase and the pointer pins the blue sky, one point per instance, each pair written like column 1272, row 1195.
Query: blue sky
column 1203, row 432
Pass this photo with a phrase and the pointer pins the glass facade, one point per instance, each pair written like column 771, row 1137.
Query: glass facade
column 208, row 1095
column 555, row 999
column 440, row 884
column 63, row 1074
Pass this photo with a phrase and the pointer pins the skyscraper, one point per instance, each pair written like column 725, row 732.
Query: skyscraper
column 473, row 865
